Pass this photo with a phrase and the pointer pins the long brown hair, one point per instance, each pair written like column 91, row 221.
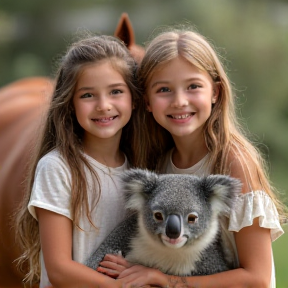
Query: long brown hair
column 61, row 131
column 223, row 133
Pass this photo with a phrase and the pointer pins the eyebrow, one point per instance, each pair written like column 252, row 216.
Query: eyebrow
column 159, row 83
column 109, row 86
column 167, row 82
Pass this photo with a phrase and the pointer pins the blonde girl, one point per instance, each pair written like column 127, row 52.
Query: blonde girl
column 193, row 128
column 90, row 137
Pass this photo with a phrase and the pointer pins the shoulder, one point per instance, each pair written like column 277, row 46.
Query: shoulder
column 53, row 155
column 243, row 167
column 52, row 158
column 52, row 163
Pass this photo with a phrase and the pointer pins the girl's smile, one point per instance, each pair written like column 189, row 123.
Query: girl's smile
column 181, row 116
column 104, row 120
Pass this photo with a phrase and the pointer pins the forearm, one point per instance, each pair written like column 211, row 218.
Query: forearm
column 75, row 275
column 236, row 278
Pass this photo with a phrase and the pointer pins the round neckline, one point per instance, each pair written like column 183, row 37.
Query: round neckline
column 192, row 169
column 107, row 169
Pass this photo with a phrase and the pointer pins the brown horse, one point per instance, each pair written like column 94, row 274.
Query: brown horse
column 22, row 104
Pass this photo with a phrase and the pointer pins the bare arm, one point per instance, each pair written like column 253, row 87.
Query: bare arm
column 56, row 243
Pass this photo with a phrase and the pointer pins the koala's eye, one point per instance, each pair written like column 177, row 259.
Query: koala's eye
column 158, row 216
column 192, row 218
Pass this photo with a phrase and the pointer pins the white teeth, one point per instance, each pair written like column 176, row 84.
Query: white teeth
column 104, row 120
column 184, row 116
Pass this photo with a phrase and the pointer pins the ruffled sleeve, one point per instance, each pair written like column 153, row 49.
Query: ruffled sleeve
column 252, row 205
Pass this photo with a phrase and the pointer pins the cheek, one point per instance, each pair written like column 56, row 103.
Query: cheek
column 157, row 111
column 81, row 110
column 125, row 109
column 127, row 106
column 156, row 104
column 126, row 102
column 205, row 104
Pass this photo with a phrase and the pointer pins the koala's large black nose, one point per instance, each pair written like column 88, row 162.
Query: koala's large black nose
column 173, row 226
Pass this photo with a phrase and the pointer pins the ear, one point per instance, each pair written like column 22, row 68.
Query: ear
column 216, row 91
column 148, row 107
column 138, row 185
column 221, row 191
column 124, row 30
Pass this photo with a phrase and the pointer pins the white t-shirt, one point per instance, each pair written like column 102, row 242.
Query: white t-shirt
column 52, row 191
column 248, row 206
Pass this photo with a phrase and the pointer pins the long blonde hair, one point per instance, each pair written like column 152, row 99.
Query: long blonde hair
column 63, row 132
column 222, row 131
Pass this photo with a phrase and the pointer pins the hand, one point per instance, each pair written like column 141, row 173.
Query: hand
column 141, row 276
column 121, row 284
column 113, row 265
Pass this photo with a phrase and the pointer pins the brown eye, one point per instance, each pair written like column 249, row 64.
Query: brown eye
column 192, row 218
column 158, row 216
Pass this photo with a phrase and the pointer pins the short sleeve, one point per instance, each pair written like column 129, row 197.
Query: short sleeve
column 52, row 186
column 252, row 205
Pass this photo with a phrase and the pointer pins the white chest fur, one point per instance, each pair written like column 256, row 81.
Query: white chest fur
column 181, row 261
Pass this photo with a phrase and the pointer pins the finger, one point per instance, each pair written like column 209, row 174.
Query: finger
column 117, row 259
column 113, row 257
column 109, row 272
column 112, row 265
column 129, row 272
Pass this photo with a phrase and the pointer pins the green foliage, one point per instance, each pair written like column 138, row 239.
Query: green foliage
column 280, row 252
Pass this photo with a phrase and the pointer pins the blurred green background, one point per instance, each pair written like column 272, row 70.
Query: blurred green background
column 251, row 35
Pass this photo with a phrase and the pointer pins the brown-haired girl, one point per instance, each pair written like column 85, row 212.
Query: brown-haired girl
column 90, row 137
column 193, row 127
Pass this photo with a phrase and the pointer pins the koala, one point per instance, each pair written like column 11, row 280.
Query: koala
column 175, row 226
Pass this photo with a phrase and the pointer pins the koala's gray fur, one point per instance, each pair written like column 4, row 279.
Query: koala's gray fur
column 176, row 224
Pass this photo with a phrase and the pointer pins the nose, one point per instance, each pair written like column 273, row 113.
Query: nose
column 103, row 104
column 173, row 226
column 179, row 100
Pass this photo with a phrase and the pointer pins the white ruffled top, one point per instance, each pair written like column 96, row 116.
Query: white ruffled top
column 252, row 205
column 247, row 207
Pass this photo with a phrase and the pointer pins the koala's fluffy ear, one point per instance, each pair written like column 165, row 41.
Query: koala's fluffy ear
column 138, row 185
column 221, row 191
